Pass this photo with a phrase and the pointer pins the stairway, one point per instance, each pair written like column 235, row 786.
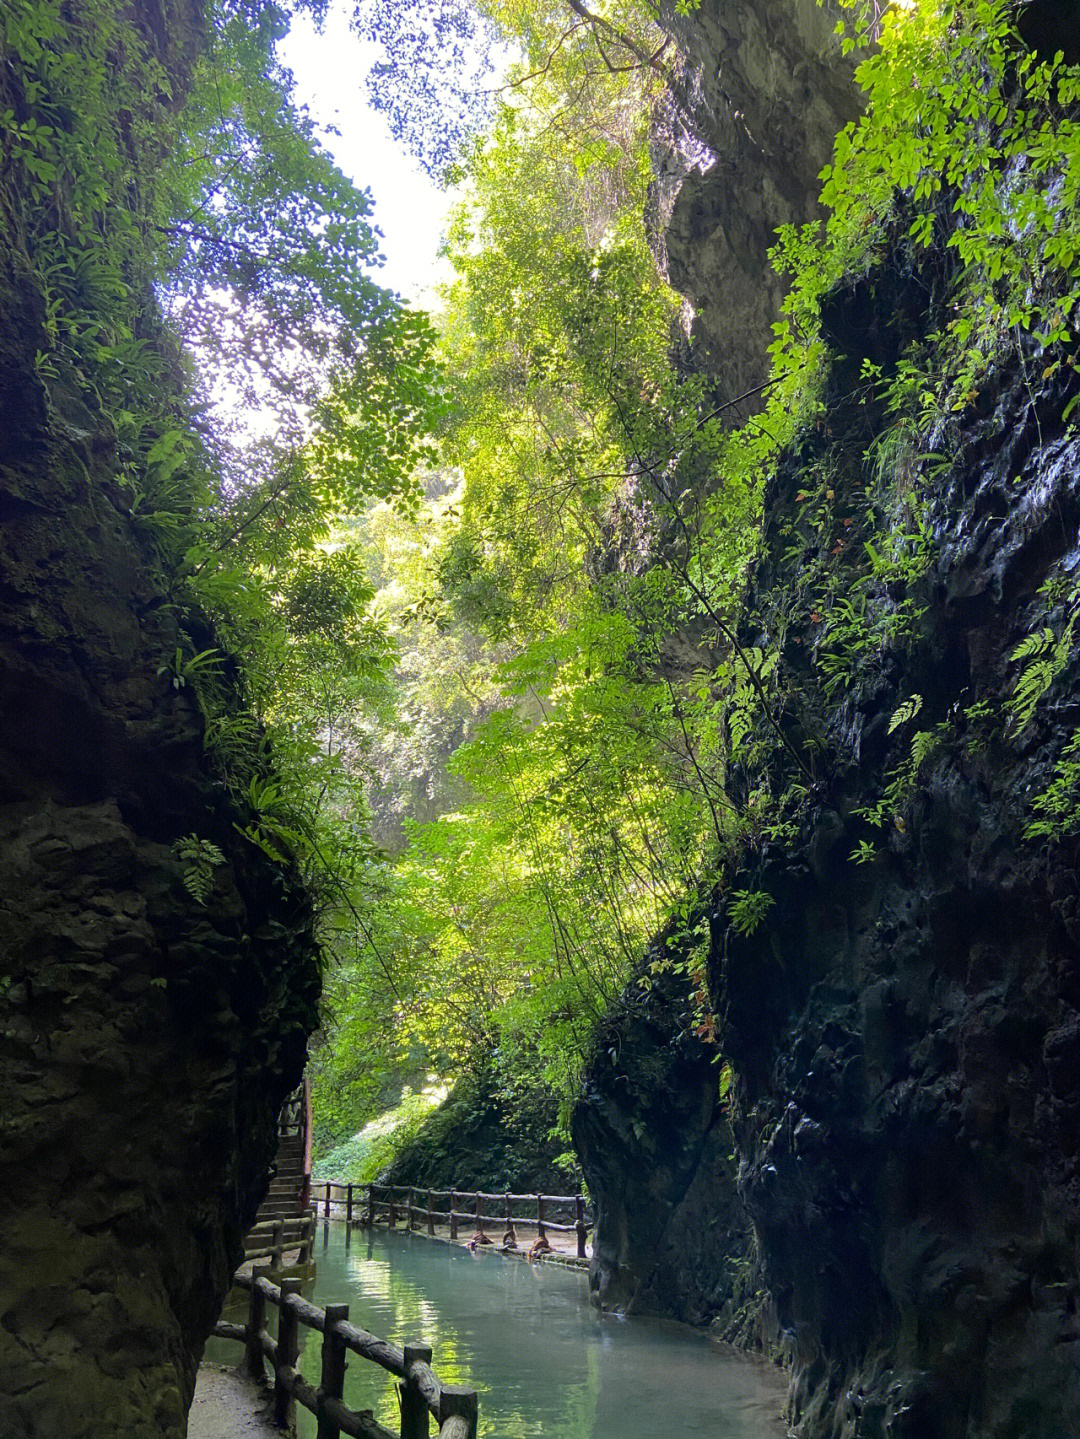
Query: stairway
column 284, row 1199
column 287, row 1198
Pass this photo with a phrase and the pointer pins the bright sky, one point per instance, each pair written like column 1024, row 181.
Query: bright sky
column 410, row 210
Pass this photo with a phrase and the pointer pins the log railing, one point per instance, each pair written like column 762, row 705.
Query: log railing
column 388, row 1203
column 420, row 1390
column 271, row 1237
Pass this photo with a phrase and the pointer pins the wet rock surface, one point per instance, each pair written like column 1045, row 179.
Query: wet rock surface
column 672, row 1236
column 904, row 1032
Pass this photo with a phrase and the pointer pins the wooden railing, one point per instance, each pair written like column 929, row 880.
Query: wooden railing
column 271, row 1237
column 372, row 1203
column 420, row 1391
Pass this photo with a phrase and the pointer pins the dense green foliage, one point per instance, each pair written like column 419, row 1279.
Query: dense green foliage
column 180, row 229
column 486, row 1134
column 576, row 813
column 581, row 571
column 366, row 1155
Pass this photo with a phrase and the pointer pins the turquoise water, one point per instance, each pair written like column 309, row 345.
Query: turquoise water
column 544, row 1362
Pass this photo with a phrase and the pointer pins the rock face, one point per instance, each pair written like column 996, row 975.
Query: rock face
column 905, row 1032
column 765, row 91
column 672, row 1235
column 146, row 1041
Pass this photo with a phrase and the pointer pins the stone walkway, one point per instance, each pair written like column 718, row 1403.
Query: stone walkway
column 228, row 1406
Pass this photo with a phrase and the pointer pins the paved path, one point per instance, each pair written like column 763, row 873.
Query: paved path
column 228, row 1406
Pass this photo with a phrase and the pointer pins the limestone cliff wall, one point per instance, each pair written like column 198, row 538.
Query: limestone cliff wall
column 905, row 1032
column 146, row 1041
column 888, row 1198
column 736, row 155
column 673, row 1236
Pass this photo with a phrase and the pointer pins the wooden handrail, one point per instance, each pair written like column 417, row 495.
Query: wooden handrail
column 385, row 1196
column 454, row 1409
column 269, row 1238
column 446, row 1193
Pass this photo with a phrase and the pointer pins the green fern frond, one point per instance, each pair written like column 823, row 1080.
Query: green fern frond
column 199, row 858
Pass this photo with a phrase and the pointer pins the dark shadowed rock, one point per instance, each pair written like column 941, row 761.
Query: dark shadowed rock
column 656, row 1148
column 146, row 1041
column 905, row 1033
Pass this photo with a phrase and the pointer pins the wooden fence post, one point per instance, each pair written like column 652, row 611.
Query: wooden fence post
column 256, row 1323
column 540, row 1232
column 288, row 1347
column 371, row 1206
column 326, row 1211
column 454, row 1400
column 348, row 1205
column 580, row 1226
column 277, row 1244
column 332, row 1383
column 414, row 1410
column 430, row 1217
column 453, row 1216
column 412, row 1196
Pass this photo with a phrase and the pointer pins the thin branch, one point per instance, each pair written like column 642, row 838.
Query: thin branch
column 721, row 625
column 339, row 884
column 543, row 70
column 239, row 529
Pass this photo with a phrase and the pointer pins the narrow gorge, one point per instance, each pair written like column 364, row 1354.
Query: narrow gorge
column 620, row 729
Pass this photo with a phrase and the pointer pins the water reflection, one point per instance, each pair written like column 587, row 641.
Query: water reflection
column 543, row 1361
